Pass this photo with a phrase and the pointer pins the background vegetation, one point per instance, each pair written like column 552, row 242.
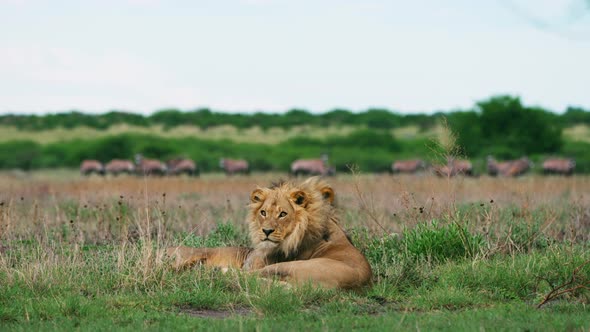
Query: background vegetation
column 500, row 126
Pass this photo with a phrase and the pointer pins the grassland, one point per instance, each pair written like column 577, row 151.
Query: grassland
column 579, row 133
column 450, row 254
column 246, row 135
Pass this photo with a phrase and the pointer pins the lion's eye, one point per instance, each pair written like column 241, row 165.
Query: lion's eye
column 263, row 213
column 282, row 214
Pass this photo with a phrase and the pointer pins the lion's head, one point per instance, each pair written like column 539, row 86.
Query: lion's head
column 287, row 216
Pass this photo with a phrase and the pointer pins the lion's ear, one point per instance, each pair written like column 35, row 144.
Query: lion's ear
column 328, row 194
column 257, row 196
column 300, row 198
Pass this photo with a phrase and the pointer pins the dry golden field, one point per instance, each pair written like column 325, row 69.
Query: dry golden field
column 100, row 209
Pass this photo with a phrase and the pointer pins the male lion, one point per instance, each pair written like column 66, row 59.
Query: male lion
column 296, row 238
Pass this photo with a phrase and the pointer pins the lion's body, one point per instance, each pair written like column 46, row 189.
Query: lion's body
column 223, row 257
column 296, row 238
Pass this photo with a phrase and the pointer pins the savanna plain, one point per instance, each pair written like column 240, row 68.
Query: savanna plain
column 447, row 253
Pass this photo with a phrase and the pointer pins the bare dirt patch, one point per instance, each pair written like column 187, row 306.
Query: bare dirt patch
column 215, row 313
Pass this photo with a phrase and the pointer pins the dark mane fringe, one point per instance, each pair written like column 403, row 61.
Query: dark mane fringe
column 276, row 184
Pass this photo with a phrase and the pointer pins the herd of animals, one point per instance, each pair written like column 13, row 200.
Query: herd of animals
column 508, row 168
column 453, row 167
column 145, row 166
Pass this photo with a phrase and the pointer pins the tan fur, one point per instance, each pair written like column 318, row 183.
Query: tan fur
column 223, row 257
column 306, row 243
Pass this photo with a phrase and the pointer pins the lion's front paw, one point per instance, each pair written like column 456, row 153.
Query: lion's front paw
column 254, row 261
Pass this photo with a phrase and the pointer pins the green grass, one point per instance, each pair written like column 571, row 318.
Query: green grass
column 64, row 286
column 503, row 318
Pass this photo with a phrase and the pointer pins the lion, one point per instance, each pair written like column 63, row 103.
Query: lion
column 296, row 238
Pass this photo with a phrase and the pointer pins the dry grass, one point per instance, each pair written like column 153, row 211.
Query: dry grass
column 578, row 133
column 247, row 135
column 95, row 206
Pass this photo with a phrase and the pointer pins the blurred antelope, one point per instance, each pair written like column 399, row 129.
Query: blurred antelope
column 562, row 166
column 233, row 166
column 312, row 167
column 454, row 167
column 149, row 166
column 182, row 166
column 91, row 166
column 494, row 167
column 119, row 166
column 510, row 168
column 408, row 166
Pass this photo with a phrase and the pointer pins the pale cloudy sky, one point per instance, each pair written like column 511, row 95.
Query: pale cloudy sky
column 273, row 55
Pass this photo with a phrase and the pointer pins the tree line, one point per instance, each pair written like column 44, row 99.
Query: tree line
column 206, row 118
column 500, row 126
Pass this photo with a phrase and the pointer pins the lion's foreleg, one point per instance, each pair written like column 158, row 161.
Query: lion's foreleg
column 260, row 256
column 255, row 260
column 325, row 272
column 223, row 257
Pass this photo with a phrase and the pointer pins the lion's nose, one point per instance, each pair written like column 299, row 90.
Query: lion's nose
column 267, row 231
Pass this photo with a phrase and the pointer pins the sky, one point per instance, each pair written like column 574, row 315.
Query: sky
column 275, row 55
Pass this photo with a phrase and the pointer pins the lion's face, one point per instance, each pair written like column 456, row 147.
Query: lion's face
column 274, row 214
column 283, row 215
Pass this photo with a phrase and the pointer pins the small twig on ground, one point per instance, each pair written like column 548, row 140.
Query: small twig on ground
column 572, row 285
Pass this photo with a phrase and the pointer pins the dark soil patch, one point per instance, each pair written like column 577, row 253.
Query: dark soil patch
column 215, row 313
column 3, row 249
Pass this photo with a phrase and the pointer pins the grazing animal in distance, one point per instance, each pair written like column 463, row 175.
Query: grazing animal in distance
column 454, row 167
column 312, row 167
column 561, row 166
column 296, row 238
column 119, row 166
column 510, row 168
column 233, row 166
column 519, row 167
column 180, row 166
column 90, row 166
column 494, row 167
column 408, row 166
column 149, row 166
column 463, row 167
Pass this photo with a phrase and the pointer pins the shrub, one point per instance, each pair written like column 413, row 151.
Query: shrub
column 436, row 242
column 19, row 154
column 505, row 121
column 580, row 151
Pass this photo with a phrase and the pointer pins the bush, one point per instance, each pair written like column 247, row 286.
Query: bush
column 436, row 242
column 19, row 154
column 431, row 241
column 503, row 126
column 580, row 151
column 505, row 122
column 575, row 116
column 467, row 127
